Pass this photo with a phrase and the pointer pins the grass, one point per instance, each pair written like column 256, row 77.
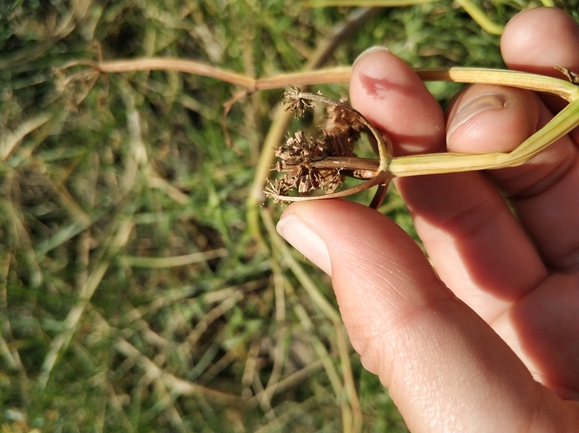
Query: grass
column 134, row 294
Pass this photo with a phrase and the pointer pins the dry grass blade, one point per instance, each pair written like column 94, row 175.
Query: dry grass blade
column 167, row 262
column 470, row 8
column 344, row 389
column 10, row 141
column 75, row 315
column 175, row 385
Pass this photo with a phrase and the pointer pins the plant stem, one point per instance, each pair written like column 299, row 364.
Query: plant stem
column 415, row 165
column 412, row 165
column 499, row 77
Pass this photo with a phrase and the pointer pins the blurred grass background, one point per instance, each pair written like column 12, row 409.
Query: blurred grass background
column 133, row 296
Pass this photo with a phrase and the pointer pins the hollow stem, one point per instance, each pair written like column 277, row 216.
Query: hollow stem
column 415, row 165
column 502, row 77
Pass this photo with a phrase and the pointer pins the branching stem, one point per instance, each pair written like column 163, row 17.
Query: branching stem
column 413, row 165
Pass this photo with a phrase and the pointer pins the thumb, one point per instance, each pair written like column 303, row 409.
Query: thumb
column 445, row 367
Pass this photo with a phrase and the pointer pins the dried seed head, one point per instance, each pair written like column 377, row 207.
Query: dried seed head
column 296, row 160
column 341, row 120
column 321, row 163
column 294, row 102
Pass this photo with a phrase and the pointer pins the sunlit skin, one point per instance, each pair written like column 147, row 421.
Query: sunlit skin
column 488, row 340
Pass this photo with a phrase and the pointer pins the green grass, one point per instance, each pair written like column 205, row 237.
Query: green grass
column 132, row 295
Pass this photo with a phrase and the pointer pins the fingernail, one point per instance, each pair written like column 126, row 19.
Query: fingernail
column 306, row 241
column 368, row 51
column 474, row 107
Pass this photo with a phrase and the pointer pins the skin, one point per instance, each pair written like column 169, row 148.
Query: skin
column 485, row 335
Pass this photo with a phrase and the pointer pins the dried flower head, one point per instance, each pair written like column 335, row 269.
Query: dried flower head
column 294, row 102
column 310, row 164
column 297, row 160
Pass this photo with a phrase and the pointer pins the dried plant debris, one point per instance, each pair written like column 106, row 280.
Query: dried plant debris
column 294, row 101
column 312, row 164
column 297, row 158
column 571, row 76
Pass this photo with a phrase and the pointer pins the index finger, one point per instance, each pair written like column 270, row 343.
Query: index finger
column 391, row 96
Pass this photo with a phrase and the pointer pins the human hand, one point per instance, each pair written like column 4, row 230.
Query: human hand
column 490, row 340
